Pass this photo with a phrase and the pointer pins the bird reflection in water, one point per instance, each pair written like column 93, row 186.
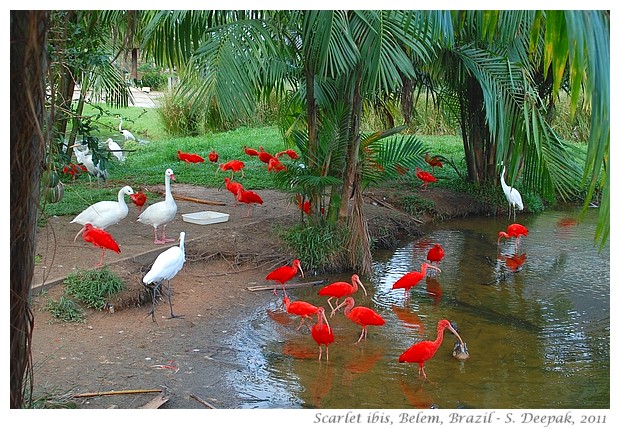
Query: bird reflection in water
column 418, row 397
column 409, row 318
column 434, row 289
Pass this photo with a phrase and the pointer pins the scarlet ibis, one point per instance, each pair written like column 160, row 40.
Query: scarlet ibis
column 263, row 155
column 424, row 350
column 412, row 278
column 85, row 157
column 289, row 152
column 363, row 316
column 250, row 198
column 432, row 161
column 515, row 230
column 190, row 158
column 300, row 308
column 213, row 156
column 249, row 151
column 233, row 165
column 285, row 273
column 515, row 262
column 104, row 213
column 339, row 289
column 322, row 333
column 435, row 254
column 304, row 206
column 233, row 187
column 425, row 177
column 161, row 213
column 116, row 150
column 139, row 199
column 512, row 195
column 100, row 238
column 126, row 133
column 167, row 264
column 274, row 164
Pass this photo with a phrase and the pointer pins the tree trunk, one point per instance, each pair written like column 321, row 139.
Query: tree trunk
column 479, row 150
column 28, row 70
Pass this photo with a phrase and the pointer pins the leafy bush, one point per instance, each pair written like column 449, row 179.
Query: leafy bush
column 153, row 77
column 177, row 115
column 65, row 309
column 93, row 287
column 319, row 247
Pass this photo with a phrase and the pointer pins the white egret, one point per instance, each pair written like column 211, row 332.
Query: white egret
column 116, row 150
column 161, row 213
column 512, row 195
column 165, row 267
column 126, row 133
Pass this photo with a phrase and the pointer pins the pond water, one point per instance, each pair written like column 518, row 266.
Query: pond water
column 535, row 319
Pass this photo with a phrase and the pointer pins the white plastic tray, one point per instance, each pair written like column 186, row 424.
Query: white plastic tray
column 205, row 218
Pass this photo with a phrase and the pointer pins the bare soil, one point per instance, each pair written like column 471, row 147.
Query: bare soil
column 186, row 358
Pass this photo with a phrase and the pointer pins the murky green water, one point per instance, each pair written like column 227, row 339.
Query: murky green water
column 538, row 337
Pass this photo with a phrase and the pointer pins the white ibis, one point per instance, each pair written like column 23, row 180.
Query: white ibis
column 104, row 213
column 161, row 213
column 512, row 195
column 126, row 133
column 116, row 150
column 84, row 157
column 166, row 266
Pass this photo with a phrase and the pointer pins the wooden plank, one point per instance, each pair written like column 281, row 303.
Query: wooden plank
column 287, row 286
column 156, row 402
column 117, row 392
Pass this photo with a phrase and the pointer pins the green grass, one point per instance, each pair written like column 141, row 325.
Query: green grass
column 93, row 287
column 65, row 309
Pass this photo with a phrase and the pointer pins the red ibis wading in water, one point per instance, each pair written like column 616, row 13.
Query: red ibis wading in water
column 303, row 309
column 424, row 350
column 340, row 289
column 322, row 333
column 363, row 316
column 412, row 278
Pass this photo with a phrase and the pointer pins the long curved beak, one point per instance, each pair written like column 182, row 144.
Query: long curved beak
column 434, row 267
column 302, row 271
column 457, row 334
column 362, row 285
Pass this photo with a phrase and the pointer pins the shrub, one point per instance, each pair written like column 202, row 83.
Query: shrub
column 178, row 117
column 65, row 309
column 93, row 287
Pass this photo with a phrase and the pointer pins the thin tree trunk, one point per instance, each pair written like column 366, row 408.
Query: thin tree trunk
column 28, row 70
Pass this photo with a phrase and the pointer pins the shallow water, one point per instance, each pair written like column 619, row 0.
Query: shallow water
column 538, row 335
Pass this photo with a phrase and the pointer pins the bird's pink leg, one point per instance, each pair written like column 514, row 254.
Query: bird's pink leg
column 156, row 240
column 329, row 301
column 320, row 351
column 163, row 235
column 361, row 335
column 326, row 352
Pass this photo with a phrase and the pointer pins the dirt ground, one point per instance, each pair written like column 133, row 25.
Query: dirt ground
column 126, row 350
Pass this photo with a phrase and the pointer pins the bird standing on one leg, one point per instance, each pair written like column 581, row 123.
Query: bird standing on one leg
column 165, row 267
column 100, row 238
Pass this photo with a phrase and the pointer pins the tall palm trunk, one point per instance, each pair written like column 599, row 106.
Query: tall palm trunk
column 28, row 69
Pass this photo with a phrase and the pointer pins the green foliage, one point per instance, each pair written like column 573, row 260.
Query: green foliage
column 153, row 77
column 319, row 247
column 93, row 287
column 54, row 401
column 179, row 115
column 65, row 309
column 414, row 205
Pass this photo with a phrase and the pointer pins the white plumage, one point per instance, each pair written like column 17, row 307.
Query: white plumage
column 512, row 195
column 116, row 150
column 166, row 266
column 126, row 133
column 161, row 213
column 84, row 157
column 105, row 213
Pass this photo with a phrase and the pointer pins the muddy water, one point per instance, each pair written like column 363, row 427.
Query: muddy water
column 535, row 319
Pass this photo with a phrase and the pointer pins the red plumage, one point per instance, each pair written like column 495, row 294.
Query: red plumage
column 424, row 176
column 189, row 157
column 435, row 254
column 322, row 333
column 300, row 308
column 213, row 156
column 275, row 165
column 424, row 350
column 285, row 273
column 433, row 162
column 289, row 152
column 264, row 156
column 233, row 187
column 250, row 198
column 139, row 199
column 514, row 230
column 363, row 316
column 100, row 238
column 339, row 289
column 249, row 151
column 412, row 278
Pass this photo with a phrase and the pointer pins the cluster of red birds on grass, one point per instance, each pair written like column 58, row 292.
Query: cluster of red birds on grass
column 323, row 334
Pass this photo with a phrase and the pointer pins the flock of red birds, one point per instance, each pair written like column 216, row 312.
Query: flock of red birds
column 323, row 334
